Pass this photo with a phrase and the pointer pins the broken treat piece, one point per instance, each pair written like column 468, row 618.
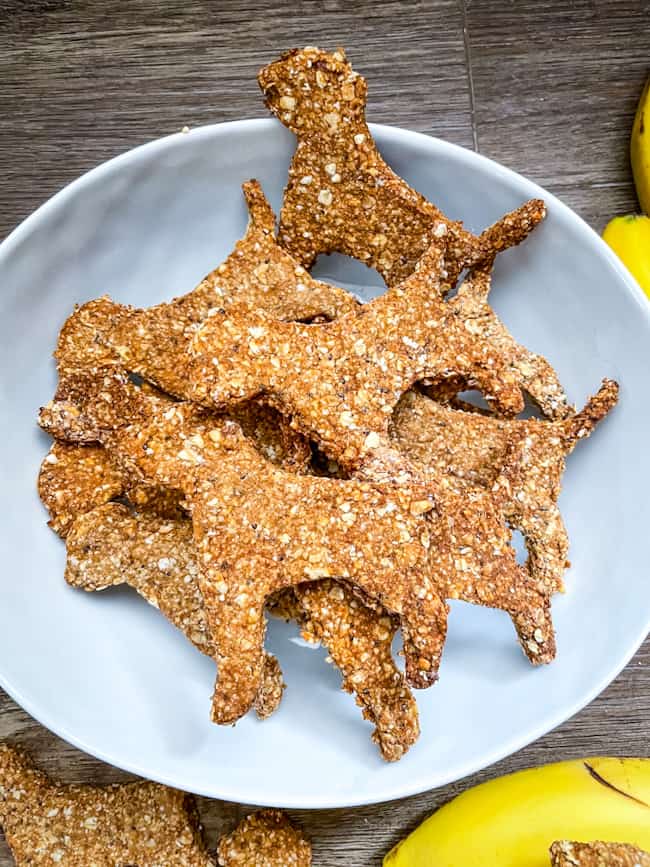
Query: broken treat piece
column 109, row 546
column 341, row 196
column 136, row 824
column 471, row 447
column 74, row 479
column 339, row 382
column 379, row 537
column 598, row 854
column 152, row 342
column 265, row 839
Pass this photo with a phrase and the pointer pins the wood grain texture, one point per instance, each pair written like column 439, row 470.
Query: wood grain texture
column 548, row 89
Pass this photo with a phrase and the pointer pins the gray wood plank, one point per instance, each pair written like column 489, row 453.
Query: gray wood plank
column 554, row 87
column 82, row 82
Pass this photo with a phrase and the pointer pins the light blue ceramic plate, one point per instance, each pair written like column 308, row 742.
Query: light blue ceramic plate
column 107, row 673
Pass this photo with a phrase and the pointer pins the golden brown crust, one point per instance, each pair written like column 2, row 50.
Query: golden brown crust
column 265, row 839
column 339, row 382
column 139, row 824
column 341, row 196
column 533, row 372
column 567, row 854
column 155, row 555
column 74, row 479
column 110, row 546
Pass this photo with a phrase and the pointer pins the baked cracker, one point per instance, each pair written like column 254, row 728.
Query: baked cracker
column 472, row 447
column 567, row 854
column 110, row 546
column 137, row 824
column 152, row 342
column 339, row 382
column 265, row 839
column 341, row 196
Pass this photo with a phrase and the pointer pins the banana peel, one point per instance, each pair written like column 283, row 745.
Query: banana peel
column 640, row 149
column 512, row 821
column 629, row 238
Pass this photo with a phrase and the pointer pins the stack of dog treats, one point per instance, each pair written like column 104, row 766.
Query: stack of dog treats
column 267, row 442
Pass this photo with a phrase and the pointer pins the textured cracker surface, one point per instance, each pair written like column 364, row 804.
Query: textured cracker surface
column 341, row 196
column 132, row 825
column 597, row 854
column 265, row 839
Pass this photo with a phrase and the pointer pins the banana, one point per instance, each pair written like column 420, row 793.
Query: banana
column 512, row 821
column 640, row 149
column 629, row 238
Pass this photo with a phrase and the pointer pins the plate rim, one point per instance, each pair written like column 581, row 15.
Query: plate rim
column 421, row 783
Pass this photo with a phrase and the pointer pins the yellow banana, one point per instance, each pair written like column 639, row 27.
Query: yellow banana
column 629, row 238
column 640, row 149
column 512, row 821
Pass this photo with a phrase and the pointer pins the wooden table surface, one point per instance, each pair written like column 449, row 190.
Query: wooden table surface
column 548, row 89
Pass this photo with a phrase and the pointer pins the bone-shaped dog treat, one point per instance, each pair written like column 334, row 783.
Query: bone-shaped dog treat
column 109, row 546
column 471, row 448
column 376, row 536
column 597, row 854
column 152, row 342
column 339, row 382
column 265, row 839
column 341, row 196
column 137, row 824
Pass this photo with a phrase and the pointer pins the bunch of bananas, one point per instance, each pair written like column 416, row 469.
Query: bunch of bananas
column 629, row 236
column 512, row 821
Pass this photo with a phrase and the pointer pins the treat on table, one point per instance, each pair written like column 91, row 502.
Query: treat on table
column 138, row 824
column 265, row 839
column 598, row 854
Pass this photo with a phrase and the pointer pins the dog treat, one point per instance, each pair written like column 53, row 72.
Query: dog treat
column 339, row 382
column 376, row 536
column 265, row 839
column 567, row 854
column 109, row 546
column 341, row 196
column 471, row 447
column 137, row 824
column 153, row 341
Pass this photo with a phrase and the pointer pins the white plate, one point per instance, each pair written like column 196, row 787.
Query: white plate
column 107, row 673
